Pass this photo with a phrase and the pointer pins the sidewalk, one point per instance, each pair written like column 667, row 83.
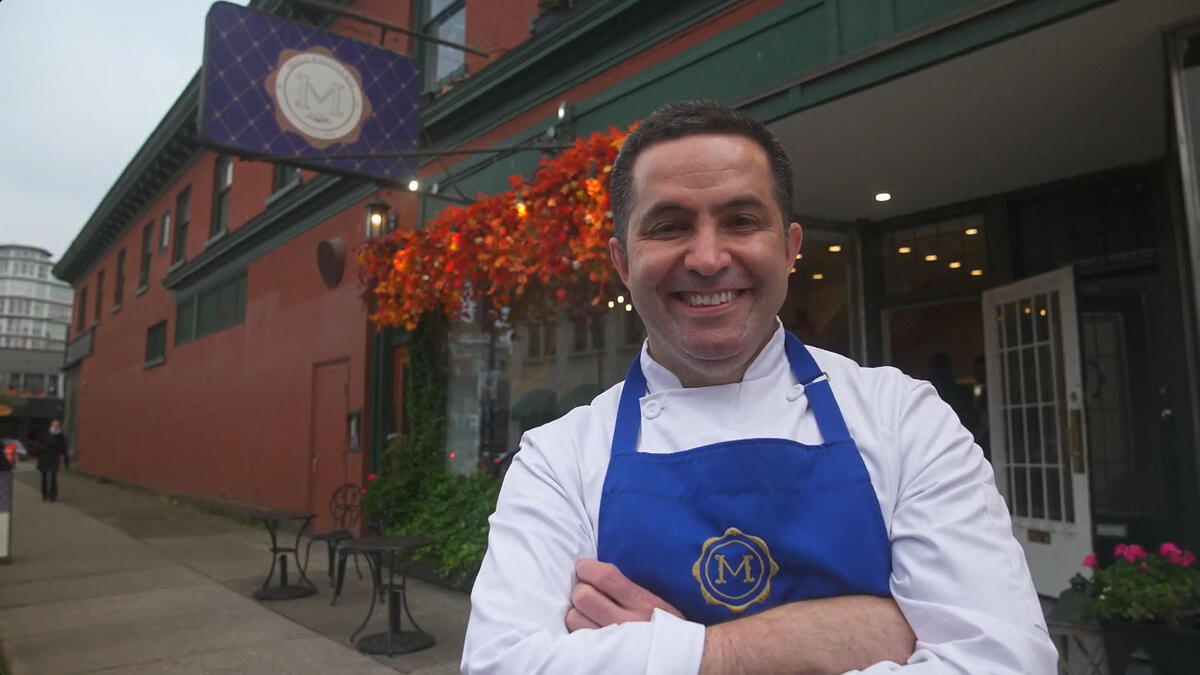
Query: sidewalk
column 118, row 580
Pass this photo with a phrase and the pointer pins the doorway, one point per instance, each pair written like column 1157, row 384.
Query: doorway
column 328, row 433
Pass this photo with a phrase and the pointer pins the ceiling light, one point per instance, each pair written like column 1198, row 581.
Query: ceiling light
column 931, row 257
column 620, row 298
column 414, row 185
column 835, row 248
column 1027, row 309
column 628, row 308
column 1042, row 312
column 904, row 249
column 799, row 256
column 818, row 276
column 971, row 231
column 562, row 111
column 883, row 196
column 611, row 304
column 955, row 265
column 976, row 273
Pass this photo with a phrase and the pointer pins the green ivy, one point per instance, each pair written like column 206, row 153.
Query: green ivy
column 414, row 492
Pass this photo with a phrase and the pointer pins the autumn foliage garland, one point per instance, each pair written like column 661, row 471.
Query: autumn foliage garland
column 542, row 244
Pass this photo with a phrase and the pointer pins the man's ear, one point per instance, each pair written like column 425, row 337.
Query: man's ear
column 795, row 237
column 620, row 259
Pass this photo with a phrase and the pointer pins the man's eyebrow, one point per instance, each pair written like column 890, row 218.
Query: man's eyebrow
column 663, row 208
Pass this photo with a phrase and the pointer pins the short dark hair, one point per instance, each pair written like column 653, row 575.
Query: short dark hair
column 689, row 118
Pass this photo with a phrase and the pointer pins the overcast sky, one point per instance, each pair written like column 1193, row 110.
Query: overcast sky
column 82, row 85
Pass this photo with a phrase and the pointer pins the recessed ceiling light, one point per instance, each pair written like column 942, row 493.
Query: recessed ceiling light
column 931, row 257
column 971, row 231
column 834, row 248
column 883, row 196
column 799, row 256
column 904, row 249
column 955, row 265
column 1028, row 309
column 976, row 273
column 793, row 271
column 414, row 185
column 620, row 298
column 628, row 308
column 818, row 276
column 1042, row 312
column 611, row 304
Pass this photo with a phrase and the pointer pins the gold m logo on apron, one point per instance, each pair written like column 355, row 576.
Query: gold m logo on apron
column 734, row 570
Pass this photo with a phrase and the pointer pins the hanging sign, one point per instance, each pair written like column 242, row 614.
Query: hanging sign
column 289, row 92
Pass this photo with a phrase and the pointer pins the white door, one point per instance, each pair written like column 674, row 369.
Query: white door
column 1036, row 421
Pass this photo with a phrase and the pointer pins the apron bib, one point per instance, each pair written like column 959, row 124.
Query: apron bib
column 733, row 528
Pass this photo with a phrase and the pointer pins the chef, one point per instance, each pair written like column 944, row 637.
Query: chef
column 742, row 502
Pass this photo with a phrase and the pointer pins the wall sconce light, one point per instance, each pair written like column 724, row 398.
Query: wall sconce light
column 378, row 221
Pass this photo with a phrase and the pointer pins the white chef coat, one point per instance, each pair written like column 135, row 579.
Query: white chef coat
column 958, row 575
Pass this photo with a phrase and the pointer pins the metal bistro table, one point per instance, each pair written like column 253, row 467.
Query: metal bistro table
column 283, row 590
column 380, row 551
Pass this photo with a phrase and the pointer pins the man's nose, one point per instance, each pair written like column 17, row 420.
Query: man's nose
column 707, row 253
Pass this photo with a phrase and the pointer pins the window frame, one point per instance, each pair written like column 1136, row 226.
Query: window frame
column 156, row 345
column 119, row 281
column 99, row 296
column 147, row 256
column 429, row 25
column 183, row 208
column 222, row 200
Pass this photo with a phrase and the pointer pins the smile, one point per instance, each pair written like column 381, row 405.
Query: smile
column 709, row 299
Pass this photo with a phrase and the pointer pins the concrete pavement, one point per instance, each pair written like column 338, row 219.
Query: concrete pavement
column 118, row 580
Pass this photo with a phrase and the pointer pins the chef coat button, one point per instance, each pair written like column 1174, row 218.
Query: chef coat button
column 795, row 392
column 651, row 409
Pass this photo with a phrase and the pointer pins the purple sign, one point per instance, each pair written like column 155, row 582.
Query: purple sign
column 287, row 91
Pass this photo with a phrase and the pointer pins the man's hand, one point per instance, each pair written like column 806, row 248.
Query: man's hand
column 604, row 597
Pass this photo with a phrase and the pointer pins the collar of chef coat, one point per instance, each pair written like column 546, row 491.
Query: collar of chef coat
column 659, row 379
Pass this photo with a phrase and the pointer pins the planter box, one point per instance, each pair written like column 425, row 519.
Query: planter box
column 1174, row 651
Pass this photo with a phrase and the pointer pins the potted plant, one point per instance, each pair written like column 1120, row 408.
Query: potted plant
column 1147, row 600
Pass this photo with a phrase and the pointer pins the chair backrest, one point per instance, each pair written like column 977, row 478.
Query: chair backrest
column 345, row 506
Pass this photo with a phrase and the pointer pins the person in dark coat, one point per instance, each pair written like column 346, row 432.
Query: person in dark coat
column 53, row 450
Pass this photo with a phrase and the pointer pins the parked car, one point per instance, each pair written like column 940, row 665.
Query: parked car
column 22, row 453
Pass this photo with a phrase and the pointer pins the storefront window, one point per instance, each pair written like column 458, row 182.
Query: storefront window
column 947, row 256
column 822, row 306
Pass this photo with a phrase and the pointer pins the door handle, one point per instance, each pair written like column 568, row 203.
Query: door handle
column 1075, row 439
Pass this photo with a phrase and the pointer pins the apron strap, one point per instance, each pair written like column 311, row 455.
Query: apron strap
column 629, row 410
column 816, row 389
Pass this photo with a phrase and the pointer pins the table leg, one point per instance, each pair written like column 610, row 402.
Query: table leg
column 395, row 640
column 283, row 570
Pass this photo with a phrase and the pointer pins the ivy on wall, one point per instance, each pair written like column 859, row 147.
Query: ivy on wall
column 414, row 493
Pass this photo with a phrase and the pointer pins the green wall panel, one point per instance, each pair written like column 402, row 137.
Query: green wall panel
column 861, row 23
column 912, row 13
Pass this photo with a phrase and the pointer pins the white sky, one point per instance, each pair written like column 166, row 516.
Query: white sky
column 82, row 85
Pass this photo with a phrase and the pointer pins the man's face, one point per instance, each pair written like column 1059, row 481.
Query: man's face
column 708, row 256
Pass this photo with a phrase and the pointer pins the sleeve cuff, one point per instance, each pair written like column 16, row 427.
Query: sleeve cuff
column 676, row 645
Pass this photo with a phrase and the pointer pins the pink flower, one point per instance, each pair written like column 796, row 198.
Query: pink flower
column 371, row 476
column 1168, row 549
column 1130, row 553
column 364, row 491
column 1187, row 559
column 1144, row 565
column 1090, row 560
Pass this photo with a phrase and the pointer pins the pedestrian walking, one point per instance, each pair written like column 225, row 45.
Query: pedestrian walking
column 51, row 452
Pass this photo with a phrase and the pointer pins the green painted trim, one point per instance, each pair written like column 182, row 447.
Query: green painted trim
column 513, row 98
column 378, row 363
column 297, row 212
column 174, row 127
column 912, row 51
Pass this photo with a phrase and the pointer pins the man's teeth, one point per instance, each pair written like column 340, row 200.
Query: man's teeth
column 699, row 300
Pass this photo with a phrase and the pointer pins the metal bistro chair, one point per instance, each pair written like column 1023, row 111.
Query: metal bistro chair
column 345, row 507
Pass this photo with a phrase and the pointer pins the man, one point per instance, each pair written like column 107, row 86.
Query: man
column 51, row 453
column 742, row 503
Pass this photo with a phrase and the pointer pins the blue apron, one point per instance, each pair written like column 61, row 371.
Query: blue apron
column 733, row 528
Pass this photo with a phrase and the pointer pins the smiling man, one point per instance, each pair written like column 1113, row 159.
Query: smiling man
column 743, row 502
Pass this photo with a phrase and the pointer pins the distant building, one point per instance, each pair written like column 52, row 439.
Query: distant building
column 35, row 310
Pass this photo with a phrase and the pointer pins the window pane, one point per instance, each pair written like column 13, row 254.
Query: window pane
column 227, row 305
column 185, row 325
column 206, row 314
